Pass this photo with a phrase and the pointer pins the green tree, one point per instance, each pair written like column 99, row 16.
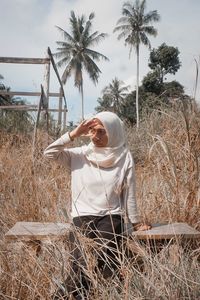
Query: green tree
column 4, row 99
column 151, row 83
column 75, row 52
column 135, row 27
column 164, row 60
column 104, row 103
column 173, row 89
column 13, row 120
column 115, row 92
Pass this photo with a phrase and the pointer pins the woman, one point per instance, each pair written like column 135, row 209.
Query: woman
column 103, row 189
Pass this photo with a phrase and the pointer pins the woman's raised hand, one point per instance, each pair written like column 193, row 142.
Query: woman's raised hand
column 83, row 128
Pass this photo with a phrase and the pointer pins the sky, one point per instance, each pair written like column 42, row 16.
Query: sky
column 27, row 28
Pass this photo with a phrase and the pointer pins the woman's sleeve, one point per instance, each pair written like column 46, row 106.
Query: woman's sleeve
column 57, row 151
column 129, row 195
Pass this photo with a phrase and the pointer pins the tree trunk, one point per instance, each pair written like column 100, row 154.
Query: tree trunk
column 137, row 87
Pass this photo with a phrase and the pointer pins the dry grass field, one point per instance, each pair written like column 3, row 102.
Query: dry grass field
column 166, row 150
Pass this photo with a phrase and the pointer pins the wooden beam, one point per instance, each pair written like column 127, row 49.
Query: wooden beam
column 57, row 74
column 24, row 60
column 28, row 108
column 65, row 119
column 60, row 109
column 14, row 93
column 45, row 101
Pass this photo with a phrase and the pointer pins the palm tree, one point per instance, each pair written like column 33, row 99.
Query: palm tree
column 116, row 91
column 104, row 103
column 135, row 26
column 75, row 53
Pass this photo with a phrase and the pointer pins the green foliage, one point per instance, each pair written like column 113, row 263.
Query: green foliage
column 13, row 120
column 16, row 120
column 104, row 104
column 173, row 89
column 135, row 26
column 114, row 93
column 164, row 60
column 151, row 83
column 153, row 93
column 75, row 53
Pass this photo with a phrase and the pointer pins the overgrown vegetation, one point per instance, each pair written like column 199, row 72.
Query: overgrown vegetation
column 155, row 92
column 166, row 150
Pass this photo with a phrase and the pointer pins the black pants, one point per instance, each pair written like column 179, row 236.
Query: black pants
column 106, row 232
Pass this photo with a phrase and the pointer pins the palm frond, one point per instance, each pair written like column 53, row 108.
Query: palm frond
column 63, row 61
column 141, row 7
column 128, row 6
column 66, row 35
column 150, row 30
column 76, row 26
column 78, row 77
column 91, row 16
column 144, row 39
column 64, row 45
column 91, row 68
column 95, row 39
column 95, row 55
column 151, row 16
column 68, row 70
column 125, row 31
column 127, row 13
column 62, row 53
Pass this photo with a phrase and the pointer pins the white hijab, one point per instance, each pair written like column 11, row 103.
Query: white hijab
column 116, row 149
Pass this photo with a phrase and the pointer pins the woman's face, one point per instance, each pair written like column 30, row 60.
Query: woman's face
column 98, row 134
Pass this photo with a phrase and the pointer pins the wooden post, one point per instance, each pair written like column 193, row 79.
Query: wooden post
column 65, row 119
column 60, row 109
column 46, row 91
column 37, row 122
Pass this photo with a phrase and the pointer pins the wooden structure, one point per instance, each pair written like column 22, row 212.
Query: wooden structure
column 27, row 231
column 44, row 94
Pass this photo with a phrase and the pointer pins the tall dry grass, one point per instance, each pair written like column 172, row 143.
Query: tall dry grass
column 166, row 151
column 167, row 154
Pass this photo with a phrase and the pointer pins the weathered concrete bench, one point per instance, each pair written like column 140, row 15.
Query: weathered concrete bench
column 38, row 231
column 167, row 232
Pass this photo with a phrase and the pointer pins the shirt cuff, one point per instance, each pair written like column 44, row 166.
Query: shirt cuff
column 65, row 138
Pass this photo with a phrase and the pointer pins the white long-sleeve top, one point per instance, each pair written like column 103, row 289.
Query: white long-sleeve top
column 96, row 191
